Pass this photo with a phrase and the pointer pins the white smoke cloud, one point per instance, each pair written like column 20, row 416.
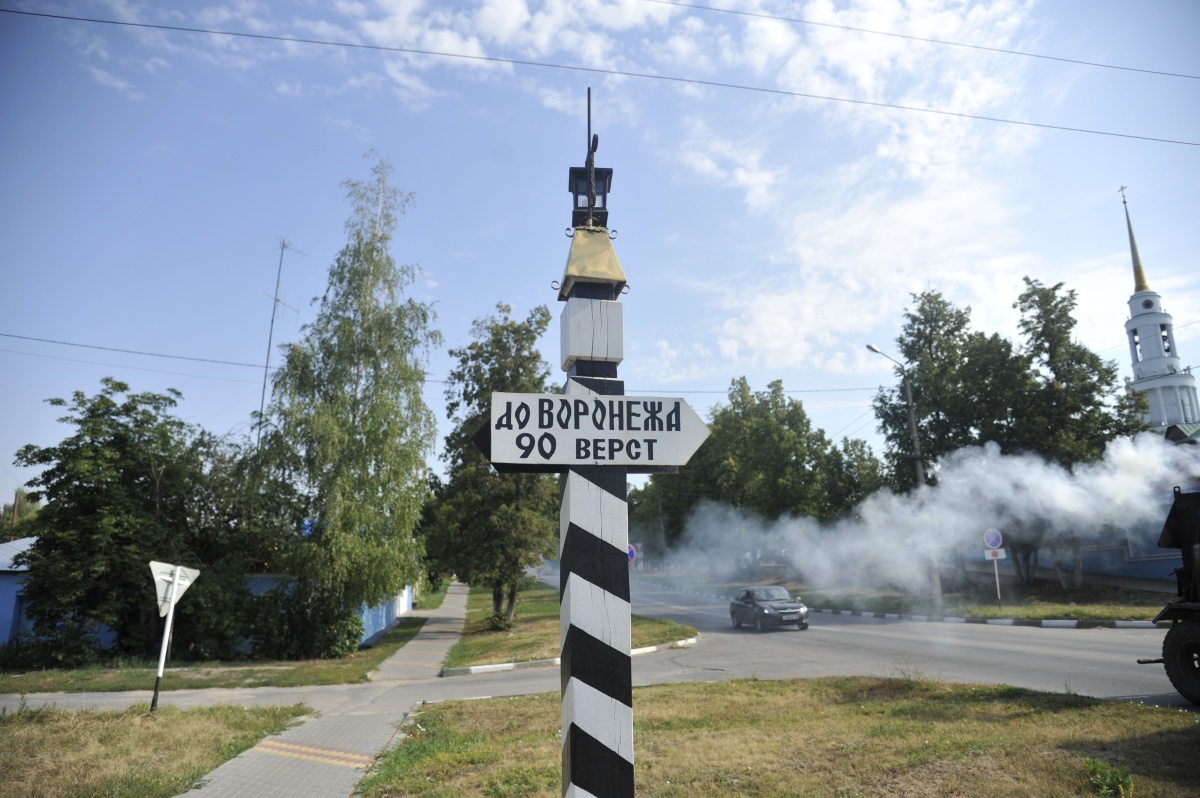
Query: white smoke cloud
column 889, row 538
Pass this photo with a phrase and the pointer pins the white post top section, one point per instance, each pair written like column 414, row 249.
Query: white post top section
column 592, row 329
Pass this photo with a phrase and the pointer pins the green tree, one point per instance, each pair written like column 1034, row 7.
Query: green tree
column 1048, row 394
column 765, row 457
column 1077, row 405
column 1074, row 407
column 116, row 496
column 15, row 513
column 346, row 406
column 931, row 343
column 852, row 472
column 485, row 526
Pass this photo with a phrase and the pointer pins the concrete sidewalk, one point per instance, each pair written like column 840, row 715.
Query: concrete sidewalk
column 325, row 757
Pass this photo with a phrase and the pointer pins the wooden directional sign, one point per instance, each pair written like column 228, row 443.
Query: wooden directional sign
column 575, row 430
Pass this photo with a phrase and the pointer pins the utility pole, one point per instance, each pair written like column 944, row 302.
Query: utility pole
column 262, row 402
column 919, row 465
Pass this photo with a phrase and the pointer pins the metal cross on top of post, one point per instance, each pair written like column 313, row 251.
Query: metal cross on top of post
column 597, row 437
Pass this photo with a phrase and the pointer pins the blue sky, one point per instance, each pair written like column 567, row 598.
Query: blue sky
column 148, row 176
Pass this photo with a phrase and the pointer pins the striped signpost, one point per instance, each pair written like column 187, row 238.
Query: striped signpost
column 596, row 436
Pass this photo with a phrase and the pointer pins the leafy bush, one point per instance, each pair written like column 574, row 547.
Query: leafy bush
column 72, row 646
column 301, row 621
column 1108, row 780
column 212, row 620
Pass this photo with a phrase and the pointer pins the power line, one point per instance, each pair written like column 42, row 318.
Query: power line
column 943, row 42
column 725, row 392
column 598, row 71
column 123, row 366
column 129, row 351
column 255, row 365
column 145, row 354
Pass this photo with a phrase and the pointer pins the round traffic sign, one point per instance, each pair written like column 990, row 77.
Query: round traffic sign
column 993, row 539
column 632, row 554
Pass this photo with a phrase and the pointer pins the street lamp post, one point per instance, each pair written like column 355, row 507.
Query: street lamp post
column 918, row 463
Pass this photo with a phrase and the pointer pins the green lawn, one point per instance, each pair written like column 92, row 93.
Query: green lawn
column 837, row 737
column 535, row 634
column 140, row 675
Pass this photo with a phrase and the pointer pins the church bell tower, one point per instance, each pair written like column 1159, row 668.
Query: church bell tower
column 1158, row 372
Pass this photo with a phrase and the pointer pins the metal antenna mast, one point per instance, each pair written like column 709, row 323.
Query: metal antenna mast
column 283, row 245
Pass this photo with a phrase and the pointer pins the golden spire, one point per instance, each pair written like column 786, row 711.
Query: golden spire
column 1139, row 276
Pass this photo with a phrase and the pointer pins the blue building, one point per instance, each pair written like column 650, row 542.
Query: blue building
column 12, row 615
column 13, row 620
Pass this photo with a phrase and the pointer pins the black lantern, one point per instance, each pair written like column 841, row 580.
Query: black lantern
column 581, row 190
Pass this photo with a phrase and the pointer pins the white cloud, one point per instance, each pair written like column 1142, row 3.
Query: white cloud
column 667, row 363
column 855, row 259
column 410, row 88
column 728, row 162
column 501, row 20
column 154, row 65
column 110, row 80
column 291, row 88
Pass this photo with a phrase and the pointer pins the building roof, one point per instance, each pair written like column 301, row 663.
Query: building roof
column 1184, row 433
column 1139, row 275
column 11, row 549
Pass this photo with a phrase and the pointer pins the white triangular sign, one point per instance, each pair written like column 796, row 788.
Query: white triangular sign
column 164, row 575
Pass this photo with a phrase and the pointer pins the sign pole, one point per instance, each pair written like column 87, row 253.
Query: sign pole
column 596, row 667
column 994, row 540
column 170, row 583
column 162, row 655
column 595, row 437
column 996, row 570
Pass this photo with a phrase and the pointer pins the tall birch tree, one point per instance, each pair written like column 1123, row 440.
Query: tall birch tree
column 347, row 403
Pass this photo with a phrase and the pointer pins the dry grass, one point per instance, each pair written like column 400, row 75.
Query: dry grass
column 53, row 753
column 535, row 634
column 838, row 737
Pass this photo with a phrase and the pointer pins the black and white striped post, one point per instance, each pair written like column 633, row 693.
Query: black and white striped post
column 597, row 676
column 596, row 437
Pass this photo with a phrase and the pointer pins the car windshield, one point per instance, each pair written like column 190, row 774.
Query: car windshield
column 772, row 594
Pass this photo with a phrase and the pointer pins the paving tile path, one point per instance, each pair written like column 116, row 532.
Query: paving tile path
column 326, row 756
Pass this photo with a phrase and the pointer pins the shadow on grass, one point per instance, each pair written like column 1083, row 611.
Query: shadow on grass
column 931, row 700
column 1167, row 756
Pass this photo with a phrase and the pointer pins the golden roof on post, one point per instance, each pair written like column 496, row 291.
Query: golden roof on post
column 592, row 259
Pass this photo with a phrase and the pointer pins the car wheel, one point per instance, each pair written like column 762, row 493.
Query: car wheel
column 1181, row 656
column 800, row 627
column 736, row 623
column 760, row 624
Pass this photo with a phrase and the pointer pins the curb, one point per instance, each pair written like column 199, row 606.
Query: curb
column 1046, row 624
column 472, row 670
column 892, row 616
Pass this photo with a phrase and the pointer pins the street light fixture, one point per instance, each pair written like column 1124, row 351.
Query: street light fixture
column 917, row 461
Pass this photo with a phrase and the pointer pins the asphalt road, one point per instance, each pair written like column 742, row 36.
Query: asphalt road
column 1094, row 662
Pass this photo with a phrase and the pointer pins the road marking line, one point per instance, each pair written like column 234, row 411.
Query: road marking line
column 316, row 753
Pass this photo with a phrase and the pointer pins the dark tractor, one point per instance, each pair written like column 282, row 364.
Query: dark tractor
column 1181, row 646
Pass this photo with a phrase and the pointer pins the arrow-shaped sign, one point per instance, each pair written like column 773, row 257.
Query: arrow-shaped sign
column 533, row 429
column 164, row 575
